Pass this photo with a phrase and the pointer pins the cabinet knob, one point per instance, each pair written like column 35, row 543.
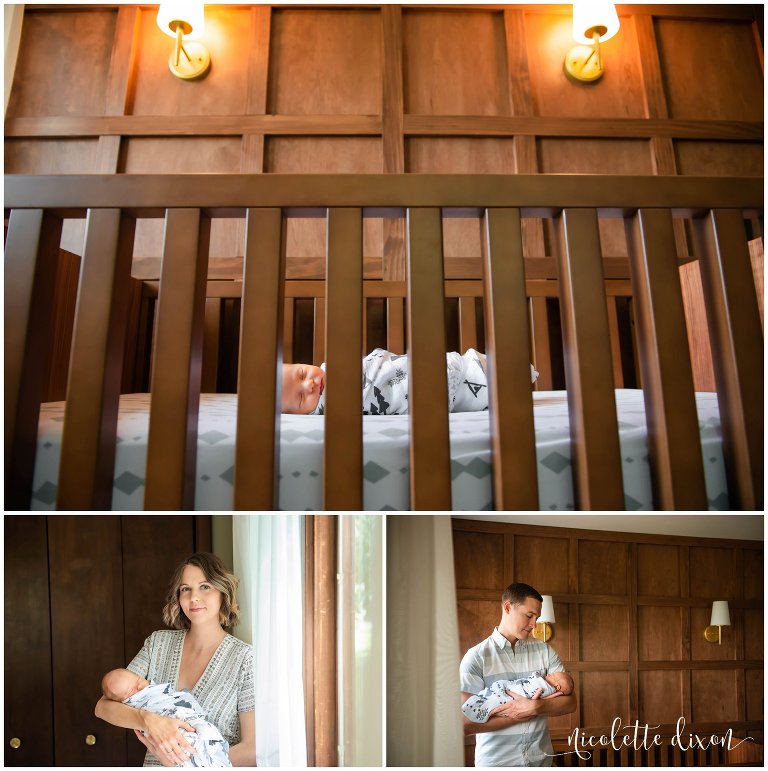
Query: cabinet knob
column 90, row 740
column 15, row 742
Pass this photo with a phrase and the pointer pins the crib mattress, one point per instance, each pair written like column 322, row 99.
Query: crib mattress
column 385, row 456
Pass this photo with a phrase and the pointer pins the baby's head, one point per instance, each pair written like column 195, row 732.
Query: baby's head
column 562, row 681
column 121, row 684
column 302, row 386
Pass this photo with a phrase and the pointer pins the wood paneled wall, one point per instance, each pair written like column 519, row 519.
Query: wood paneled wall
column 401, row 89
column 631, row 612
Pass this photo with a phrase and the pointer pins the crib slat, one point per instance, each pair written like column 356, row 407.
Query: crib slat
column 31, row 253
column 176, row 363
column 512, row 433
column 595, row 450
column 430, row 471
column 288, row 330
column 257, row 453
column 343, row 447
column 540, row 336
column 467, row 323
column 318, row 343
column 670, row 405
column 211, row 343
column 395, row 331
column 737, row 350
column 95, row 369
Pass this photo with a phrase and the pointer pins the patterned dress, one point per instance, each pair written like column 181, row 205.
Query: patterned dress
column 224, row 690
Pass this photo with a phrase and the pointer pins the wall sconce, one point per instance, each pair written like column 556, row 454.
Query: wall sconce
column 720, row 618
column 185, row 21
column 593, row 23
column 543, row 629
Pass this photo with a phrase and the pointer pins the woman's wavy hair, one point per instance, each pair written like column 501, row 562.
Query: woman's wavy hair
column 217, row 574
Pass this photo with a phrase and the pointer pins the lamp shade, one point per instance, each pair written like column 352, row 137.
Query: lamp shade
column 594, row 16
column 192, row 14
column 547, row 610
column 720, row 614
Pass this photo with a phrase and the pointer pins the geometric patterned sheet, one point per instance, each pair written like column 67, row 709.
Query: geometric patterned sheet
column 385, row 455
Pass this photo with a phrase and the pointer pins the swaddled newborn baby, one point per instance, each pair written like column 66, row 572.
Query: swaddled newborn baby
column 477, row 708
column 385, row 384
column 210, row 746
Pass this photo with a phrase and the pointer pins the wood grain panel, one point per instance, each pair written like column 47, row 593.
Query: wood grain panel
column 719, row 159
column 712, row 573
column 222, row 91
column 37, row 88
column 754, row 691
column 479, row 561
column 604, row 632
column 562, row 637
column 442, row 75
column 661, row 696
column 77, row 561
column 619, row 93
column 753, row 574
column 659, row 633
column 325, row 61
column 50, row 156
column 658, row 570
column 603, row 697
column 543, row 563
column 753, row 634
column 700, row 85
column 602, row 567
column 477, row 619
column 28, row 701
column 713, row 696
column 701, row 650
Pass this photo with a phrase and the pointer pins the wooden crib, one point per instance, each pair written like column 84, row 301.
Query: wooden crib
column 715, row 209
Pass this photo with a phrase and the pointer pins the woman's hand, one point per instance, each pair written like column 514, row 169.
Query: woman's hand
column 163, row 738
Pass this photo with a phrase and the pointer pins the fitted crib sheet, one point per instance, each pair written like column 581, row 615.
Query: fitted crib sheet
column 385, row 455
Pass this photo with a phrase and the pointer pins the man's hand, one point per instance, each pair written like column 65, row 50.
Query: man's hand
column 520, row 708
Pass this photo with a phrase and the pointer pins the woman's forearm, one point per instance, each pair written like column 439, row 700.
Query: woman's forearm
column 119, row 714
column 242, row 754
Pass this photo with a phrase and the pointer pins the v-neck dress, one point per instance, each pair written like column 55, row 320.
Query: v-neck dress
column 225, row 688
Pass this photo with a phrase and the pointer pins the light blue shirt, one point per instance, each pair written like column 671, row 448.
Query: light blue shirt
column 521, row 744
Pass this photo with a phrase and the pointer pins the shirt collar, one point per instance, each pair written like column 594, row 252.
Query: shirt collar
column 501, row 641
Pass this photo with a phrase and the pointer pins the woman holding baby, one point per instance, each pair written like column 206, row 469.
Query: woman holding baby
column 197, row 655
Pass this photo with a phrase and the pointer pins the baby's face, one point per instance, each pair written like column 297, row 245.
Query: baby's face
column 562, row 681
column 302, row 386
column 127, row 684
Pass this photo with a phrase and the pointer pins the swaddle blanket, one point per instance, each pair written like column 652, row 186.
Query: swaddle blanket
column 477, row 707
column 385, row 383
column 211, row 747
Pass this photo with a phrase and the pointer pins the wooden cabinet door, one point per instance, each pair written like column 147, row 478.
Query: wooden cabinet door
column 86, row 589
column 28, row 689
column 152, row 546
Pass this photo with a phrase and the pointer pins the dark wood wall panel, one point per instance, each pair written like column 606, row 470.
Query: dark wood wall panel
column 659, row 633
column 630, row 611
column 442, row 75
column 661, row 696
column 46, row 84
column 325, row 63
column 658, row 570
column 544, row 561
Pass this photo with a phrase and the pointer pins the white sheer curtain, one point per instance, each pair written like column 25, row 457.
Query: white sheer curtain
column 268, row 560
column 360, row 639
column 424, row 726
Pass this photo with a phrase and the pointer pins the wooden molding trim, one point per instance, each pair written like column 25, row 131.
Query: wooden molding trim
column 76, row 126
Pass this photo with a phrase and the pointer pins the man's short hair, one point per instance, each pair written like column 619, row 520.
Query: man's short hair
column 518, row 593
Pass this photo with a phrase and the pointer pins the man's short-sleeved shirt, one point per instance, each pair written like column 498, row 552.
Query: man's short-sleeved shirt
column 521, row 744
